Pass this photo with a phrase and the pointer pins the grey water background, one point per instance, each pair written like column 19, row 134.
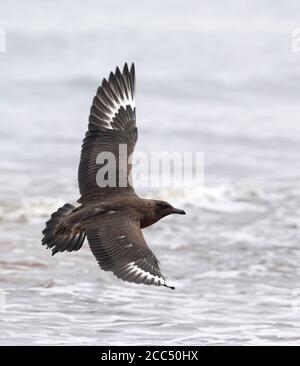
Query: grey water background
column 215, row 77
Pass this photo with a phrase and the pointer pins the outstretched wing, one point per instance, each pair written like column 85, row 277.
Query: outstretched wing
column 119, row 246
column 111, row 123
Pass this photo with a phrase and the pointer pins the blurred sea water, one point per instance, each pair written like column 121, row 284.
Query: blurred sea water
column 222, row 81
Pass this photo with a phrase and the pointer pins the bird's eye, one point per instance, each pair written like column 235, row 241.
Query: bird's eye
column 163, row 205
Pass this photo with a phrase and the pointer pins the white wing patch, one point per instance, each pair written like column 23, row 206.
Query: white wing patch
column 124, row 103
column 134, row 269
column 113, row 110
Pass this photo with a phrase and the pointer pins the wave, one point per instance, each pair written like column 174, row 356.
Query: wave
column 28, row 209
column 227, row 197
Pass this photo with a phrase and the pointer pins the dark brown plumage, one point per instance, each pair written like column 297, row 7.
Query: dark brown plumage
column 110, row 217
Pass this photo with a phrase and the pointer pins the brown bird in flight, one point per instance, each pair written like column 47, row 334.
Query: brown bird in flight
column 111, row 216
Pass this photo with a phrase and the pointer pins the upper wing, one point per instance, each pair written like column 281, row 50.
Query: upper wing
column 111, row 123
column 118, row 244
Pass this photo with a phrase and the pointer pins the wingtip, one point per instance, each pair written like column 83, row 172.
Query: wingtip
column 103, row 84
column 132, row 68
column 118, row 71
column 128, row 69
column 125, row 69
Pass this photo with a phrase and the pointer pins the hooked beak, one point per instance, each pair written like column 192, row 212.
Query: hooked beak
column 179, row 212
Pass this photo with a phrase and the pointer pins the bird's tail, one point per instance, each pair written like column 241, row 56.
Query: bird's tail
column 60, row 233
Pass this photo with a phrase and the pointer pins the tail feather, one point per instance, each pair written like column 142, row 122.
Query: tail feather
column 61, row 234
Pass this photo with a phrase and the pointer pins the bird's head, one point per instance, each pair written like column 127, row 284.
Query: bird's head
column 163, row 208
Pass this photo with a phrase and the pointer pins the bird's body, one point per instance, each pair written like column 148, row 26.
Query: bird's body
column 111, row 216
